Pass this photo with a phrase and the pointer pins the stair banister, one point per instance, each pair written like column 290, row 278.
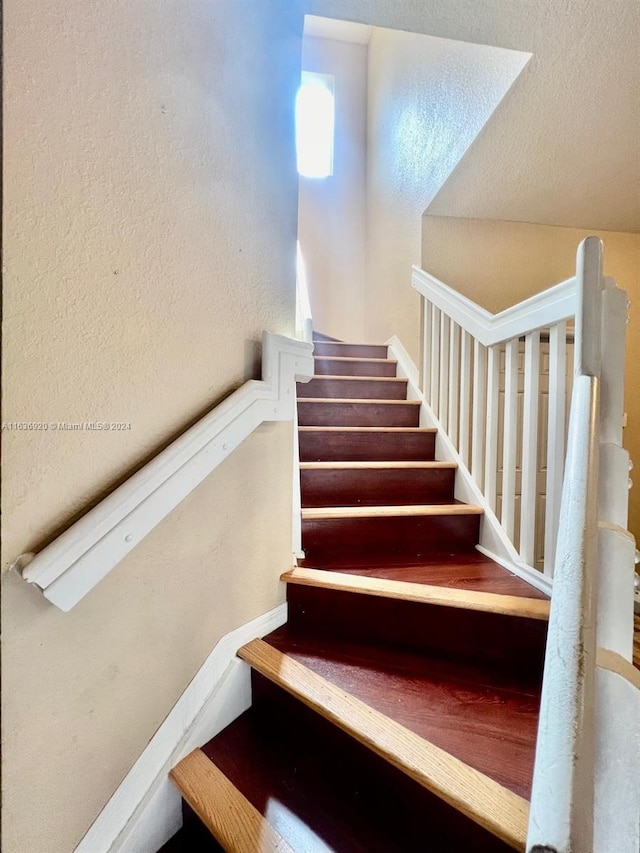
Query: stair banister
column 70, row 566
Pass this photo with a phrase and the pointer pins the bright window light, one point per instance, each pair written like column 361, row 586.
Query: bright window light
column 314, row 125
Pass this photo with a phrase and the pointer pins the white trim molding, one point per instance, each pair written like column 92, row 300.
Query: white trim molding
column 539, row 312
column 68, row 568
column 145, row 810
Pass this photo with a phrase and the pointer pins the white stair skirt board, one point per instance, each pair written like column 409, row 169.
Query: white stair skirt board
column 68, row 568
column 145, row 810
column 494, row 542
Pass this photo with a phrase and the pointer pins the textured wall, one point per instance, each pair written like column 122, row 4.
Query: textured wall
column 331, row 212
column 427, row 100
column 562, row 149
column 499, row 263
column 149, row 235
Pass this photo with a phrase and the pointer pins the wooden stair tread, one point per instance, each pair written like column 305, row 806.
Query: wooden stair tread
column 359, row 401
column 323, row 791
column 226, row 813
column 368, row 429
column 479, row 797
column 340, row 377
column 514, row 605
column 444, row 508
column 471, row 570
column 351, row 358
column 375, row 465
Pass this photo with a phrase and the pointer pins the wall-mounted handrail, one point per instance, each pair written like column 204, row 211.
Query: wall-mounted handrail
column 70, row 566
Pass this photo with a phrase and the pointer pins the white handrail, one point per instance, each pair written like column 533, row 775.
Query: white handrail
column 561, row 816
column 545, row 309
column 583, row 752
column 68, row 568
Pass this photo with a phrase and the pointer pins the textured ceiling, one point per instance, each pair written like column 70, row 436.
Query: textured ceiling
column 564, row 146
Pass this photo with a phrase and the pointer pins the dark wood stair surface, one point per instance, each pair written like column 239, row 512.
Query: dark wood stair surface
column 349, row 366
column 397, row 709
column 323, row 791
column 366, row 444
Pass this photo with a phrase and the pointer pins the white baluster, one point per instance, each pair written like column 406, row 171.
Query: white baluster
column 479, row 411
column 491, row 456
column 465, row 389
column 426, row 349
column 510, row 441
column 454, row 382
column 435, row 358
column 443, row 404
column 555, row 440
column 530, row 447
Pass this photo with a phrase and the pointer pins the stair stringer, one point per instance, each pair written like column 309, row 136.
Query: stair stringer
column 145, row 811
column 494, row 542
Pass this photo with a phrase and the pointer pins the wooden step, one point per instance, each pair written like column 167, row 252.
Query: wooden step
column 354, row 387
column 324, row 791
column 472, row 792
column 325, row 484
column 349, row 412
column 227, row 814
column 470, row 570
column 352, row 444
column 320, row 336
column 333, row 348
column 445, row 528
column 483, row 632
column 461, row 599
column 346, row 366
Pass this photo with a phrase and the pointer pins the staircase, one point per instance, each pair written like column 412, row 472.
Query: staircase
column 397, row 708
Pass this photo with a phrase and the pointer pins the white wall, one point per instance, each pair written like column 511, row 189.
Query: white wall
column 427, row 100
column 332, row 210
column 149, row 238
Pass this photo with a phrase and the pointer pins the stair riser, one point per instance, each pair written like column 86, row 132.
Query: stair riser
column 507, row 641
column 358, row 414
column 335, row 367
column 366, row 447
column 350, row 350
column 370, row 487
column 363, row 389
column 416, row 535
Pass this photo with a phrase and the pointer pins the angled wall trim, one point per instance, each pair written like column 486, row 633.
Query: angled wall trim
column 68, row 568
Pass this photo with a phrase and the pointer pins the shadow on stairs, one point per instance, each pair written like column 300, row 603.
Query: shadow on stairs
column 397, row 709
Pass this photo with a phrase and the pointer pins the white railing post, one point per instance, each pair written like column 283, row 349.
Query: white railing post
column 454, row 382
column 479, row 412
column 528, row 497
column 555, row 440
column 510, row 438
column 491, row 453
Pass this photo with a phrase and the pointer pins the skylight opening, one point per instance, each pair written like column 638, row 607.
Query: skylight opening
column 315, row 121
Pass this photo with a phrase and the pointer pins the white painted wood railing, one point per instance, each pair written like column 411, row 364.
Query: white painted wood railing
column 586, row 786
column 68, row 568
column 481, row 376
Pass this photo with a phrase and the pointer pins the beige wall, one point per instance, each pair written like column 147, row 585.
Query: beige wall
column 332, row 210
column 427, row 100
column 499, row 263
column 149, row 234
